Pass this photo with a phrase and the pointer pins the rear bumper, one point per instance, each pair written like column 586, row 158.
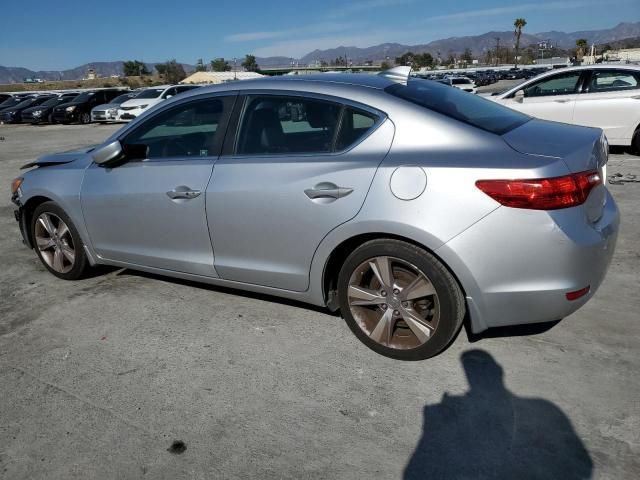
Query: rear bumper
column 516, row 266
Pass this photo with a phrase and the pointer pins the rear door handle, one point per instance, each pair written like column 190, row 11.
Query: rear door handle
column 327, row 190
column 182, row 193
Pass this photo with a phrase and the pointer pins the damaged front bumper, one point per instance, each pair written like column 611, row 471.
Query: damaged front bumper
column 22, row 220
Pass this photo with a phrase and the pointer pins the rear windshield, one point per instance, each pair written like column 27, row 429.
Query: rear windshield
column 455, row 103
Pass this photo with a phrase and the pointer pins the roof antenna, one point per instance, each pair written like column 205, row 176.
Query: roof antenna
column 397, row 74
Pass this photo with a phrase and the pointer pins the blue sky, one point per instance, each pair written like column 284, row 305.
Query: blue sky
column 60, row 35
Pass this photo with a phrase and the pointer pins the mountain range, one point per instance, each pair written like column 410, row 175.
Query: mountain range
column 478, row 44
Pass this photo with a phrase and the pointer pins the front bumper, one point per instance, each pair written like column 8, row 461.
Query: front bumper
column 516, row 266
column 22, row 223
column 66, row 117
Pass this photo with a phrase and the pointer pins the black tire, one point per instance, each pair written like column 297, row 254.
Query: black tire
column 81, row 263
column 635, row 142
column 51, row 120
column 84, row 118
column 450, row 297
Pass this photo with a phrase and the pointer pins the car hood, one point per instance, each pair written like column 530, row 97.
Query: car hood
column 58, row 158
column 134, row 102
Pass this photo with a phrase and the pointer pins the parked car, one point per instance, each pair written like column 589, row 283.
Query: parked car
column 43, row 113
column 148, row 98
column 79, row 109
column 10, row 102
column 401, row 202
column 603, row 96
column 108, row 112
column 14, row 114
column 4, row 96
column 463, row 83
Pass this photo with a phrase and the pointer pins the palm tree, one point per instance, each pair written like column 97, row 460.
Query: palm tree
column 581, row 45
column 519, row 25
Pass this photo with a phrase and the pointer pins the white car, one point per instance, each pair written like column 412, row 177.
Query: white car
column 603, row 96
column 148, row 98
column 463, row 83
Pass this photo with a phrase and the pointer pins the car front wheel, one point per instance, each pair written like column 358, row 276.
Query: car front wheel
column 85, row 118
column 57, row 242
column 400, row 300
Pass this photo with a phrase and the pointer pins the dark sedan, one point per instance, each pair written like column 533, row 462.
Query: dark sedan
column 44, row 112
column 79, row 109
column 14, row 114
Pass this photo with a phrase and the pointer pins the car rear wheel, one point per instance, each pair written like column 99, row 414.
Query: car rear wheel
column 57, row 242
column 85, row 118
column 400, row 300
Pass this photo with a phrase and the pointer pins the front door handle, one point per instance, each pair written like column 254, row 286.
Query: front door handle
column 327, row 190
column 182, row 192
column 562, row 100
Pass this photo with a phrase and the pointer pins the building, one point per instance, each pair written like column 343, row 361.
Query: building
column 219, row 77
column 631, row 55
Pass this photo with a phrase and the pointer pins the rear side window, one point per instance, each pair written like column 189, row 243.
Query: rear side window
column 285, row 125
column 459, row 105
column 613, row 80
column 354, row 125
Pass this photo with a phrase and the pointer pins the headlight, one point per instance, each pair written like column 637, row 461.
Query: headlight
column 70, row 108
column 143, row 106
column 37, row 113
column 112, row 111
column 15, row 184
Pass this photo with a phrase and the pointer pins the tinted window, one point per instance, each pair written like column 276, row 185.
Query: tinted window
column 188, row 130
column 612, row 80
column 455, row 103
column 273, row 125
column 355, row 124
column 150, row 93
column 123, row 98
column 562, row 84
column 83, row 97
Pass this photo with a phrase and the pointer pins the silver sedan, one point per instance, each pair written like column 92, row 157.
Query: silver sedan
column 406, row 204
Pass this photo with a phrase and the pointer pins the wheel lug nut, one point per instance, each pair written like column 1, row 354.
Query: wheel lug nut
column 383, row 306
column 396, row 291
column 383, row 293
column 405, row 304
column 396, row 312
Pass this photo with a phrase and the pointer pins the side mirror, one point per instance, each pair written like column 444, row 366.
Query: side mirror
column 107, row 153
column 519, row 96
column 168, row 97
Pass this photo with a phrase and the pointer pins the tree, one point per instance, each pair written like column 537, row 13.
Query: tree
column 405, row 59
column 519, row 25
column 250, row 64
column 220, row 65
column 467, row 56
column 385, row 65
column 171, row 71
column 200, row 66
column 134, row 68
column 581, row 47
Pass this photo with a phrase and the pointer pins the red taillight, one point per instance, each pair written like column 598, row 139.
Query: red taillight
column 542, row 193
column 578, row 293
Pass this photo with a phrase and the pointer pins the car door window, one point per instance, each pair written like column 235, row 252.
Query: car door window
column 187, row 130
column 287, row 125
column 562, row 84
column 613, row 80
column 169, row 93
column 355, row 124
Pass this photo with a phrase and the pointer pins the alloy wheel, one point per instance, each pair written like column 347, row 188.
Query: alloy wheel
column 54, row 241
column 393, row 302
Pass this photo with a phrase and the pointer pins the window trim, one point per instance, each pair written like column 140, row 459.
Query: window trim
column 230, row 148
column 229, row 101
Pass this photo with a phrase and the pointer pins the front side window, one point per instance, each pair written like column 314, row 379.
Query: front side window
column 150, row 93
column 613, row 80
column 563, row 84
column 187, row 130
column 287, row 125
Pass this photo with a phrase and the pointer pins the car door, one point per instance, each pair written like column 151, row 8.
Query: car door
column 151, row 211
column 550, row 98
column 611, row 101
column 300, row 166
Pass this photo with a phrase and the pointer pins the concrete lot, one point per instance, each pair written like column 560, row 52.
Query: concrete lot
column 99, row 377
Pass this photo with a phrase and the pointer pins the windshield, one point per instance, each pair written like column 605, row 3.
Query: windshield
column 9, row 102
column 151, row 93
column 53, row 101
column 122, row 98
column 26, row 103
column 457, row 104
column 83, row 97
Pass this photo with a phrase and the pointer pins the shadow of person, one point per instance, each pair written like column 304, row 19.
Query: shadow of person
column 490, row 433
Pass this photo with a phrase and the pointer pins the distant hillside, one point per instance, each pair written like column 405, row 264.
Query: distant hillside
column 478, row 44
column 103, row 69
